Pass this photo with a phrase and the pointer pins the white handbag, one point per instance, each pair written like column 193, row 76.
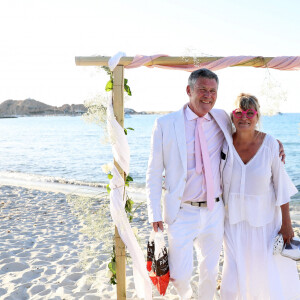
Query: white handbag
column 291, row 250
column 278, row 244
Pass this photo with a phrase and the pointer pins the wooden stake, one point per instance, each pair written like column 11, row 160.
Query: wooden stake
column 118, row 105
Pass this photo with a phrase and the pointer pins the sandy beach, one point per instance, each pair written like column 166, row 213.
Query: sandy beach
column 47, row 249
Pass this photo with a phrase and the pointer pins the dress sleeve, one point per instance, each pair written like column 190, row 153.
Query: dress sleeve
column 283, row 185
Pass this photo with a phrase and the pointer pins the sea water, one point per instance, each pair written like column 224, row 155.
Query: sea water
column 69, row 149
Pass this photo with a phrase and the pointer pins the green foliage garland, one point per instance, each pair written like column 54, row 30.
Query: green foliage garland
column 93, row 211
column 129, row 202
column 110, row 83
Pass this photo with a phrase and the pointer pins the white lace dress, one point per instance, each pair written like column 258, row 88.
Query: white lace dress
column 253, row 219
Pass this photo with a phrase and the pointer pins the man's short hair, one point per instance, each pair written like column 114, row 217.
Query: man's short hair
column 205, row 73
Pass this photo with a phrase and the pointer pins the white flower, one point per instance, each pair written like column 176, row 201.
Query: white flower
column 107, row 168
column 109, row 274
column 135, row 231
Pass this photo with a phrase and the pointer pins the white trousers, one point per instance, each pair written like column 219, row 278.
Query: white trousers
column 204, row 229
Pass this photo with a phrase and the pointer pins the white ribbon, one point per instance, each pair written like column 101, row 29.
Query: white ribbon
column 121, row 154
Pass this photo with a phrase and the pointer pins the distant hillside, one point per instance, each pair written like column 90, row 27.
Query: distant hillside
column 31, row 107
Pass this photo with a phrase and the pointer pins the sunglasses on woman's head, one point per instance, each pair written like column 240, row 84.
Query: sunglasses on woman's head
column 250, row 113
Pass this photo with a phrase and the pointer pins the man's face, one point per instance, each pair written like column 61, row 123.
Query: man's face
column 203, row 96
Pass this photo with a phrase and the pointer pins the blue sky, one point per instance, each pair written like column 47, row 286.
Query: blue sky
column 40, row 39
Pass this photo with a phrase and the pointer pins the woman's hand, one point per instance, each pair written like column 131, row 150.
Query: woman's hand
column 287, row 232
column 286, row 228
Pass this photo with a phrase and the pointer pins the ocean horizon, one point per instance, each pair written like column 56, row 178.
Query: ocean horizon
column 67, row 149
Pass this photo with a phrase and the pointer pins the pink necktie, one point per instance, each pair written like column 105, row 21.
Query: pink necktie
column 202, row 156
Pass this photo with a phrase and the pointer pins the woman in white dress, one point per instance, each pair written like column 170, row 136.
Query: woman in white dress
column 257, row 208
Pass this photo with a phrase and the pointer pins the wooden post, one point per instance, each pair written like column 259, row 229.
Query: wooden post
column 118, row 105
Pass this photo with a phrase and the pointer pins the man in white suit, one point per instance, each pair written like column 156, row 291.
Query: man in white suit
column 185, row 210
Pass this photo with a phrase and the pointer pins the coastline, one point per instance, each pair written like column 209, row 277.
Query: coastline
column 33, row 108
column 79, row 114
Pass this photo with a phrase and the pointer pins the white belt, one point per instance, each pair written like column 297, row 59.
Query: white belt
column 200, row 204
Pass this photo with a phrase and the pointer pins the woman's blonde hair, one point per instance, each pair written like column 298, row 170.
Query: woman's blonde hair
column 246, row 101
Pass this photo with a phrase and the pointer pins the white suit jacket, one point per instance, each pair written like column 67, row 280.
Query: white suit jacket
column 169, row 155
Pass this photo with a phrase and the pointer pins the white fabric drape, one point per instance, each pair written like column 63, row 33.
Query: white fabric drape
column 114, row 60
column 120, row 149
column 118, row 140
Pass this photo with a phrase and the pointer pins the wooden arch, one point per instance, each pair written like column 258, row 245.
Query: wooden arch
column 118, row 105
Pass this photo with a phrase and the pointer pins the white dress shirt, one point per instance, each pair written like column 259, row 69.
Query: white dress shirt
column 195, row 188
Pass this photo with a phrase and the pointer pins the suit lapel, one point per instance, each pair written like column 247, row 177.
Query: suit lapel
column 180, row 136
column 225, row 126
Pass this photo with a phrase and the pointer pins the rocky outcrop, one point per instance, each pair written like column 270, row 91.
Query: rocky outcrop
column 31, row 107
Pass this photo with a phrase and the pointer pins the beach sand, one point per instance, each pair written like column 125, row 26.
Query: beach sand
column 48, row 252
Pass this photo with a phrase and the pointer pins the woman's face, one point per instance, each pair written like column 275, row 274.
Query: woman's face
column 245, row 120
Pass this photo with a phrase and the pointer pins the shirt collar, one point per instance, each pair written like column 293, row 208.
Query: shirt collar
column 190, row 115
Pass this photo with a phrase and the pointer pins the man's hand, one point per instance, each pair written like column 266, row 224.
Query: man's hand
column 281, row 152
column 159, row 224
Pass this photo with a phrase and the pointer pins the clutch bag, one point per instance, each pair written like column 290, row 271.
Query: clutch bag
column 278, row 244
column 292, row 250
